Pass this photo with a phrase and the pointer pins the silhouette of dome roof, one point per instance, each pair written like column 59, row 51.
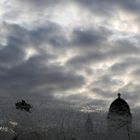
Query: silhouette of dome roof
column 119, row 107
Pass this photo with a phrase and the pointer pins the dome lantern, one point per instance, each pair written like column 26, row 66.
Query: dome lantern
column 119, row 95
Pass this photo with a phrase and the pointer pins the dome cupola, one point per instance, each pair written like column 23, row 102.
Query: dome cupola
column 119, row 107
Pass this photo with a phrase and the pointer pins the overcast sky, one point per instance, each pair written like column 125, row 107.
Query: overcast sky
column 80, row 52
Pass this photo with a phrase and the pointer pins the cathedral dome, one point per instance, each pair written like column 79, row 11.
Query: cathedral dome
column 119, row 107
column 119, row 119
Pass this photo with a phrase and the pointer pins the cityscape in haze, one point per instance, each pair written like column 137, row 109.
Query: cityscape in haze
column 63, row 64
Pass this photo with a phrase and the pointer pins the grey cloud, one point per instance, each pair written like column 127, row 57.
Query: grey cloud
column 131, row 6
column 131, row 93
column 87, row 37
column 31, row 76
column 21, row 76
column 102, row 8
column 41, row 5
column 102, row 92
column 105, row 8
column 91, row 44
column 102, row 52
column 59, row 41
column 13, row 52
column 42, row 74
column 20, row 38
column 86, row 59
column 135, row 74
column 11, row 55
column 123, row 48
column 106, row 81
column 34, row 36
column 128, row 64
column 105, row 85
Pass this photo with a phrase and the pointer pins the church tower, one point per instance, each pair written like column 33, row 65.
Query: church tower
column 89, row 125
column 119, row 119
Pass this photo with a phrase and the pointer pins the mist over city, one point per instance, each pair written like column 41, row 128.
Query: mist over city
column 67, row 67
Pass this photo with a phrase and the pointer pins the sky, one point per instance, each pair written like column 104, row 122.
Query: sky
column 70, row 52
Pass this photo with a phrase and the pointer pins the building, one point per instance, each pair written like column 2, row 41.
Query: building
column 119, row 120
column 89, row 125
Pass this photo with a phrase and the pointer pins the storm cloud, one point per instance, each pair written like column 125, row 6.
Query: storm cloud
column 75, row 52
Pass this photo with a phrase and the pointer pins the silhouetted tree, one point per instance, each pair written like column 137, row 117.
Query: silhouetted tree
column 23, row 106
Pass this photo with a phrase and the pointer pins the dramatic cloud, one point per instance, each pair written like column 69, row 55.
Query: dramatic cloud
column 79, row 53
